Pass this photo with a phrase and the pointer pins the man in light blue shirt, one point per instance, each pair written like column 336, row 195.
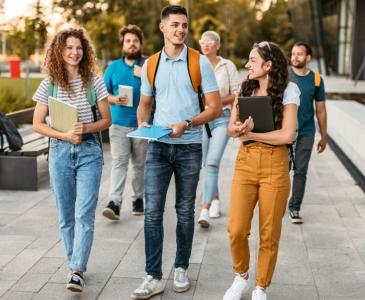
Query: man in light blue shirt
column 177, row 107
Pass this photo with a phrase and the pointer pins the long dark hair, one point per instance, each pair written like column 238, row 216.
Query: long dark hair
column 278, row 78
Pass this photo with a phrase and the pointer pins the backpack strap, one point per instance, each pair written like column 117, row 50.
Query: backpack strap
column 317, row 83
column 52, row 89
column 91, row 98
column 152, row 67
column 193, row 61
column 142, row 60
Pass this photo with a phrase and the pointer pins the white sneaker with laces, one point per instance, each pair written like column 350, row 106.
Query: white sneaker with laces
column 203, row 220
column 214, row 210
column 237, row 289
column 181, row 280
column 149, row 287
column 259, row 294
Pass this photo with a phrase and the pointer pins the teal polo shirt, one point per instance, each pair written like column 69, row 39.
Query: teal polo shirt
column 176, row 99
column 306, row 110
column 118, row 72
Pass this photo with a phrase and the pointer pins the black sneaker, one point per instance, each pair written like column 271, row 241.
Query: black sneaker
column 111, row 211
column 295, row 217
column 138, row 207
column 75, row 282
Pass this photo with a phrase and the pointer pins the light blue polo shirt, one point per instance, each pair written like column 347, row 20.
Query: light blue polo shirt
column 176, row 99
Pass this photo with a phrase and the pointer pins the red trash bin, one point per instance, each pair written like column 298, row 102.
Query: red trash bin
column 14, row 67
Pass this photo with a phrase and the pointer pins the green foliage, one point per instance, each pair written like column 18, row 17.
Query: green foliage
column 13, row 96
column 28, row 34
column 235, row 20
column 104, row 29
column 276, row 26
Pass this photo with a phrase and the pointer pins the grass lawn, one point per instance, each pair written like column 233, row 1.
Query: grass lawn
column 13, row 94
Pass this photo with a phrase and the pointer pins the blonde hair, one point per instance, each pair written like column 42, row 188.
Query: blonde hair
column 213, row 34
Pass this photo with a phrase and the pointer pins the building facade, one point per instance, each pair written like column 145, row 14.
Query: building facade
column 335, row 29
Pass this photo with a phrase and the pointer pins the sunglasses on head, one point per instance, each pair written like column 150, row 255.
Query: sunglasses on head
column 210, row 43
column 264, row 44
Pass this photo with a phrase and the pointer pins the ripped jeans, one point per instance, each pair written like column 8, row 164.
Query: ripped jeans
column 213, row 149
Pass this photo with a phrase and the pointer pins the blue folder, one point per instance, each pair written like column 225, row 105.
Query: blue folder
column 153, row 133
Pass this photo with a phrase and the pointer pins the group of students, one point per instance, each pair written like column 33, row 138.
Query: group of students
column 174, row 96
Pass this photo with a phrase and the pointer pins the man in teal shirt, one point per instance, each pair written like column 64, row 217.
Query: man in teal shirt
column 305, row 79
column 125, row 71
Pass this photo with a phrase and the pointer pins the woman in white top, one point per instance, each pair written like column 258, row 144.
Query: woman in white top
column 213, row 148
column 75, row 157
column 261, row 171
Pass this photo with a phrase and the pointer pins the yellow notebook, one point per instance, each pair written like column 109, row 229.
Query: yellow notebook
column 63, row 115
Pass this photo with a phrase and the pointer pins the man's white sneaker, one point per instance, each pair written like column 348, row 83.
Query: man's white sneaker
column 237, row 289
column 181, row 280
column 259, row 294
column 149, row 287
column 203, row 220
column 214, row 210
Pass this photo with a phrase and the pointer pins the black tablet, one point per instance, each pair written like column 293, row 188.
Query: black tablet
column 260, row 109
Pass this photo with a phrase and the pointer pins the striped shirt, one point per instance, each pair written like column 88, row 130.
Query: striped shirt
column 79, row 98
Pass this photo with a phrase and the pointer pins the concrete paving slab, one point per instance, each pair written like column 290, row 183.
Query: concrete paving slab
column 13, row 295
column 6, row 285
column 31, row 282
column 339, row 283
column 308, row 260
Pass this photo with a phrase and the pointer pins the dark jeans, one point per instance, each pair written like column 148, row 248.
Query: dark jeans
column 303, row 151
column 163, row 160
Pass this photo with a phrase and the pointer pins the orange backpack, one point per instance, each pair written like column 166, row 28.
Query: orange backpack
column 193, row 64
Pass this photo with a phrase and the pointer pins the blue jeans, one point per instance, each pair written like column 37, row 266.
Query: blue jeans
column 163, row 160
column 75, row 172
column 213, row 149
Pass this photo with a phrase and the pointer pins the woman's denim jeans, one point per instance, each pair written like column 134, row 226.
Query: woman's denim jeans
column 163, row 160
column 213, row 149
column 75, row 172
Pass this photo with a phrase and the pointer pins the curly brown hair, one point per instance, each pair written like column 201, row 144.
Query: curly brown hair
column 278, row 78
column 54, row 64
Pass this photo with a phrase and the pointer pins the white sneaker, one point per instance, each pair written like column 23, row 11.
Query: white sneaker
column 258, row 294
column 181, row 280
column 149, row 287
column 214, row 210
column 237, row 289
column 203, row 220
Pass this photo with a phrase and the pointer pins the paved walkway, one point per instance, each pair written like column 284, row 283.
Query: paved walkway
column 322, row 259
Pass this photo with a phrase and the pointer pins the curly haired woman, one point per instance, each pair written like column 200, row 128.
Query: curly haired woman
column 75, row 157
column 261, row 171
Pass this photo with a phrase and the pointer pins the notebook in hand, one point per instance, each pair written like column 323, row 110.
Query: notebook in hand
column 62, row 115
column 128, row 91
column 260, row 109
column 153, row 133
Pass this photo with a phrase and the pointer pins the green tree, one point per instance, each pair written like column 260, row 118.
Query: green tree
column 103, row 30
column 276, row 26
column 28, row 33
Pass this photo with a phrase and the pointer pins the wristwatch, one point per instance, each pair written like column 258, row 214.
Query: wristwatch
column 189, row 124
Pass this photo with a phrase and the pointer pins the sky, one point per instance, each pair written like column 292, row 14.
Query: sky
column 15, row 8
